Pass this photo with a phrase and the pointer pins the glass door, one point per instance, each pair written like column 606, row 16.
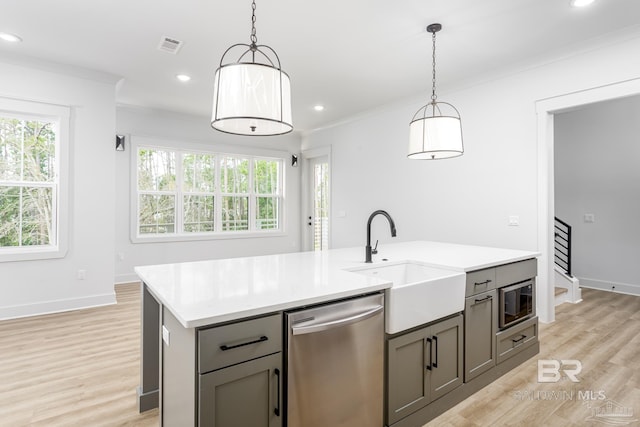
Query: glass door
column 318, row 218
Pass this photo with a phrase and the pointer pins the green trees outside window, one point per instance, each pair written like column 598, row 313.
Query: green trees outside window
column 182, row 192
column 28, row 181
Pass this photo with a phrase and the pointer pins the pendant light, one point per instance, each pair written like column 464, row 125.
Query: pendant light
column 251, row 96
column 435, row 132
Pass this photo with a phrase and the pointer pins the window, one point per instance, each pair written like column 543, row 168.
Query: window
column 156, row 191
column 182, row 195
column 32, row 150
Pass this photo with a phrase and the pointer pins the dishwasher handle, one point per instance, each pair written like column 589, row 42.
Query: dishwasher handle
column 319, row 327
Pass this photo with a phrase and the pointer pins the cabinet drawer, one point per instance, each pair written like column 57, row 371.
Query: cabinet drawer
column 237, row 342
column 480, row 281
column 515, row 339
column 516, row 272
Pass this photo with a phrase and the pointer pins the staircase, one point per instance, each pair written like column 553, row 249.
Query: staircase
column 567, row 287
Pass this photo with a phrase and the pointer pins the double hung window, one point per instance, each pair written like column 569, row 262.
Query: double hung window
column 33, row 150
column 184, row 194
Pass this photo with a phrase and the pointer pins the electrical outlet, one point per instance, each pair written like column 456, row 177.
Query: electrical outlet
column 589, row 217
column 514, row 220
column 82, row 274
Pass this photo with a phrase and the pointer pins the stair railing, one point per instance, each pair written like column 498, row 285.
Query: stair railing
column 562, row 244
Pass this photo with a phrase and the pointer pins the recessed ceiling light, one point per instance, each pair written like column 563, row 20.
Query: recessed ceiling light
column 11, row 38
column 318, row 107
column 581, row 3
column 183, row 77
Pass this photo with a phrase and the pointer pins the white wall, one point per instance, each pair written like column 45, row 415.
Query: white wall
column 597, row 153
column 34, row 287
column 133, row 121
column 467, row 199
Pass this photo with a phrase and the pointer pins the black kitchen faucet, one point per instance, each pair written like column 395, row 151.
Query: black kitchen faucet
column 368, row 250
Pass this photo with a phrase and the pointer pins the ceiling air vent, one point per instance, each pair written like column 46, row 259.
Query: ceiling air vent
column 169, row 44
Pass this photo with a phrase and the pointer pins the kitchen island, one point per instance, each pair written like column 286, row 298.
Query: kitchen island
column 179, row 301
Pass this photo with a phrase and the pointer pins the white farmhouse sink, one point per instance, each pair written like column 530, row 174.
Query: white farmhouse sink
column 420, row 294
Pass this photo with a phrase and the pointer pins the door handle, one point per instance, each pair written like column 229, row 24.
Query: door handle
column 276, row 410
column 331, row 324
column 428, row 340
column 435, row 345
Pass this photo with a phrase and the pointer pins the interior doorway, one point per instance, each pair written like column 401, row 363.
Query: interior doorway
column 546, row 109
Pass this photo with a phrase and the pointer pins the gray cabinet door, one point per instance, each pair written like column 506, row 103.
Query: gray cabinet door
column 481, row 318
column 247, row 394
column 423, row 365
column 446, row 357
column 407, row 382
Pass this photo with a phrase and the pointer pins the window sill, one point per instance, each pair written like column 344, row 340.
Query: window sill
column 160, row 238
column 31, row 254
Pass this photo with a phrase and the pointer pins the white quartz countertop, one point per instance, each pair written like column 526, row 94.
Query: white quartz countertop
column 207, row 292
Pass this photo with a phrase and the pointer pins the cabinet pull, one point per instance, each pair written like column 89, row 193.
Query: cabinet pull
column 429, row 364
column 435, row 344
column 519, row 340
column 486, row 282
column 487, row 298
column 277, row 408
column 225, row 347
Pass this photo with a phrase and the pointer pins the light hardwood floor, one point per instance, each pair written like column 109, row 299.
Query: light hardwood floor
column 81, row 368
column 603, row 333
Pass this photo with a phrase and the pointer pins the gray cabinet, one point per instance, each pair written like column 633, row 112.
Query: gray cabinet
column 247, row 394
column 446, row 362
column 517, row 338
column 240, row 374
column 481, row 318
column 422, row 366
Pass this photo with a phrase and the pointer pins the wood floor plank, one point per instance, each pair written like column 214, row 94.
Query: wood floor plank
column 81, row 368
column 603, row 333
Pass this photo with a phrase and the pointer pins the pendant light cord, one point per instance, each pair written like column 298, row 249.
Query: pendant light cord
column 433, row 80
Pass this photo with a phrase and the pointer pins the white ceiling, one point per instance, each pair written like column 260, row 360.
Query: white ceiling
column 349, row 55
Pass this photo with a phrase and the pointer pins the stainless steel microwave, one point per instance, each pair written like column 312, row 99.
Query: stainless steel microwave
column 517, row 302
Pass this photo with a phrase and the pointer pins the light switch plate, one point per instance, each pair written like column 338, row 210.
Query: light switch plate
column 165, row 335
column 514, row 220
column 589, row 217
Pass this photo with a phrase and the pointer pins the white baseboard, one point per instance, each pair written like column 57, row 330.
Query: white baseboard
column 621, row 288
column 57, row 306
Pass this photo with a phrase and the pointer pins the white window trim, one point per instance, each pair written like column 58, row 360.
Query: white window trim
column 62, row 114
column 192, row 147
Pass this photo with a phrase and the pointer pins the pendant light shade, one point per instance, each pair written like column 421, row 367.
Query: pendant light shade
column 435, row 132
column 251, row 94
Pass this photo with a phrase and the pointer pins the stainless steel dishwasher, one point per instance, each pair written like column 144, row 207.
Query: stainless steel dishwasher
column 335, row 364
